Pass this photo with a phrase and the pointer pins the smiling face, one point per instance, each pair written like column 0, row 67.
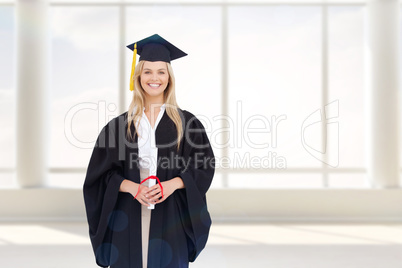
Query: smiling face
column 154, row 78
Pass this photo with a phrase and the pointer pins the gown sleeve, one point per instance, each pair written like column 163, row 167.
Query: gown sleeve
column 197, row 178
column 101, row 188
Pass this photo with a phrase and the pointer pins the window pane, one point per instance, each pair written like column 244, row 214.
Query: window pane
column 7, row 91
column 198, row 75
column 301, row 1
column 400, row 95
column 86, row 1
column 84, row 80
column 346, row 75
column 175, row 2
column 275, row 81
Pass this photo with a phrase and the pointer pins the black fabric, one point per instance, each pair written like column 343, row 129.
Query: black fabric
column 154, row 52
column 179, row 226
column 156, row 48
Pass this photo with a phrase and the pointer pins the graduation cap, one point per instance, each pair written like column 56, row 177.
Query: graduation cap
column 153, row 48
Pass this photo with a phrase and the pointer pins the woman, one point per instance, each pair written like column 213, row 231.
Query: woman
column 140, row 225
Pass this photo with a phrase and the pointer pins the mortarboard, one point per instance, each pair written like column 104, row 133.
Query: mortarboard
column 153, row 48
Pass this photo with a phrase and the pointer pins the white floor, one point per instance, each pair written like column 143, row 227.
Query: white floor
column 273, row 245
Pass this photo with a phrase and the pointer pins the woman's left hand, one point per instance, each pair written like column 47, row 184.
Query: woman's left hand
column 154, row 193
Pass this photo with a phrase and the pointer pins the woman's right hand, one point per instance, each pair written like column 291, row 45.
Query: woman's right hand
column 131, row 187
column 142, row 196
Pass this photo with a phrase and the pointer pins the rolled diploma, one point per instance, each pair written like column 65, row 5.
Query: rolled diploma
column 151, row 182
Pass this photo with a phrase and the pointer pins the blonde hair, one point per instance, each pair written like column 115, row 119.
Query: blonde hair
column 137, row 103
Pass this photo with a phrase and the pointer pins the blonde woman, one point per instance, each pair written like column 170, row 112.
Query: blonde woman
column 149, row 172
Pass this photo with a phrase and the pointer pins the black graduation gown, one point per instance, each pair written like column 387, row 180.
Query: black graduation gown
column 179, row 226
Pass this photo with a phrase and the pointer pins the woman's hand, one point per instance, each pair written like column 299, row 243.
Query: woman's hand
column 155, row 193
column 131, row 187
column 142, row 196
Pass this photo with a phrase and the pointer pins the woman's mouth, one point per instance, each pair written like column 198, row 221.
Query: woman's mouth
column 154, row 85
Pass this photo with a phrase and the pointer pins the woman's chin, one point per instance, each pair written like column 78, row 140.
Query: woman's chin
column 154, row 93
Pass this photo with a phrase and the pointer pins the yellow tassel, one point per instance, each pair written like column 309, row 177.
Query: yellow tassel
column 133, row 68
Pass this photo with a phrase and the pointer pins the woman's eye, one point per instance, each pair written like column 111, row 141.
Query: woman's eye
column 161, row 72
column 147, row 72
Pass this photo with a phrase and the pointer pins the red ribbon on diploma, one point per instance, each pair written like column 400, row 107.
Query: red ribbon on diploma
column 150, row 177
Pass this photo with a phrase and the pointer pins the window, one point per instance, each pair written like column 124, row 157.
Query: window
column 7, row 98
column 84, row 85
column 198, row 76
column 274, row 84
column 268, row 46
column 269, row 69
column 346, row 77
